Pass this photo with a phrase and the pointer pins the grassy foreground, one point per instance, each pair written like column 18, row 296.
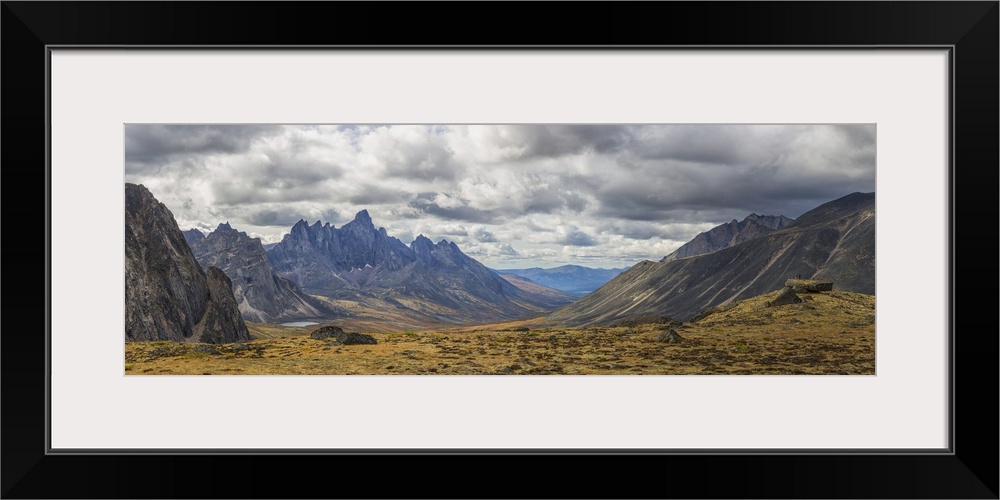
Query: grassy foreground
column 828, row 333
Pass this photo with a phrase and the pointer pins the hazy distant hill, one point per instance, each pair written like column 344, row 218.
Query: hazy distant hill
column 167, row 295
column 835, row 241
column 574, row 280
column 557, row 298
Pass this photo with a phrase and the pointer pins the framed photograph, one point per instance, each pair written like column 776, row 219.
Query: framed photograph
column 338, row 245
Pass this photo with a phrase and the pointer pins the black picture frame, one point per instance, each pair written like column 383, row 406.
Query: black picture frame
column 970, row 29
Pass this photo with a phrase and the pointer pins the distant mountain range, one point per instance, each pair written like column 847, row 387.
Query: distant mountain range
column 729, row 234
column 835, row 242
column 556, row 296
column 367, row 271
column 167, row 294
column 263, row 296
column 574, row 280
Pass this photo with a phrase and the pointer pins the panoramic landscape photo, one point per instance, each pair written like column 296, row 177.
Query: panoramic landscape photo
column 499, row 249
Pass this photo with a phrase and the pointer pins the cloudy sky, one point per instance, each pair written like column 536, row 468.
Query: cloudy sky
column 509, row 195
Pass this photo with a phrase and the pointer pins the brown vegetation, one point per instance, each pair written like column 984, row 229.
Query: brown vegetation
column 827, row 333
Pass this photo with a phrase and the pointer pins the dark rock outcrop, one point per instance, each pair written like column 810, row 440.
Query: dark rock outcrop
column 352, row 338
column 729, row 234
column 206, row 349
column 262, row 296
column 669, row 336
column 167, row 295
column 786, row 297
column 326, row 332
column 800, row 285
column 833, row 242
column 341, row 337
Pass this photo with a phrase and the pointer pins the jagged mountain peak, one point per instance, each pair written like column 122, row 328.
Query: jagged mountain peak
column 433, row 280
column 422, row 245
column 362, row 222
column 300, row 228
column 139, row 191
column 729, row 234
column 363, row 216
column 302, row 223
column 768, row 221
column 226, row 232
column 192, row 235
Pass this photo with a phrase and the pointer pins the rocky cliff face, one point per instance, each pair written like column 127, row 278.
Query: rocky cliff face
column 434, row 281
column 833, row 242
column 729, row 234
column 262, row 296
column 167, row 295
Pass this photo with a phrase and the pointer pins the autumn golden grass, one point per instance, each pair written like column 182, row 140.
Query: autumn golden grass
column 828, row 333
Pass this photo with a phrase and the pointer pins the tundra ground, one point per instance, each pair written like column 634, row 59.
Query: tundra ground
column 828, row 333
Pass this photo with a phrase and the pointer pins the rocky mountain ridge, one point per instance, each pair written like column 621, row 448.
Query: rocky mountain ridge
column 833, row 242
column 167, row 294
column 263, row 296
column 729, row 234
column 359, row 264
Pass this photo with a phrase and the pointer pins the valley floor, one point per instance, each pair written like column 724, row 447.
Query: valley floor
column 829, row 333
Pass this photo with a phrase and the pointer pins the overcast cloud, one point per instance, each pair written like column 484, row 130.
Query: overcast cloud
column 509, row 195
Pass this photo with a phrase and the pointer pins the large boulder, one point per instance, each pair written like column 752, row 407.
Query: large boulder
column 326, row 332
column 669, row 336
column 787, row 296
column 340, row 337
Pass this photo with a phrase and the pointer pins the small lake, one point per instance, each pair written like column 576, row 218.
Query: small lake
column 299, row 323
